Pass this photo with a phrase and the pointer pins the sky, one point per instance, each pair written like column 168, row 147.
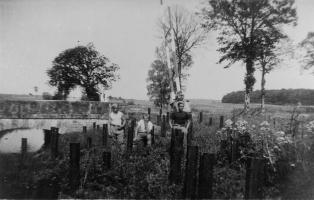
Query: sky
column 34, row 32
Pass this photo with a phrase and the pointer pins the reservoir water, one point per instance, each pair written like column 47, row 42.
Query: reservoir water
column 10, row 141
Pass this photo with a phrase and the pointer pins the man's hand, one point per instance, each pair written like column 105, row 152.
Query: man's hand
column 184, row 130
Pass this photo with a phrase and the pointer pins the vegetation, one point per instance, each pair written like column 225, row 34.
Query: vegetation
column 180, row 28
column 82, row 66
column 159, row 84
column 277, row 97
column 247, row 28
column 308, row 46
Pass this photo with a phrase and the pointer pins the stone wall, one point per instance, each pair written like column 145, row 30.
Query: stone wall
column 53, row 110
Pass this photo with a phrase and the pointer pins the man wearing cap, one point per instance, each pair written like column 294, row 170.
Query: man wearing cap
column 117, row 123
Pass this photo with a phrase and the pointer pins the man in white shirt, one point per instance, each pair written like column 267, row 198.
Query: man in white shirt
column 116, row 123
column 143, row 130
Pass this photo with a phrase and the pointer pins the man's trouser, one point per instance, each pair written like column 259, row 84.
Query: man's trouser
column 117, row 134
column 145, row 138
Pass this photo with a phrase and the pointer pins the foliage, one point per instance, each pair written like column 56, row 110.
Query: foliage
column 277, row 97
column 308, row 46
column 187, row 34
column 82, row 66
column 159, row 83
column 47, row 96
column 245, row 28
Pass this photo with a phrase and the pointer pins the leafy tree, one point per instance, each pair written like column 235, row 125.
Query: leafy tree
column 187, row 34
column 159, row 83
column 243, row 25
column 271, row 56
column 308, row 45
column 85, row 67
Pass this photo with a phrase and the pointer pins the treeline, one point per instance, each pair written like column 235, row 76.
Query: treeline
column 279, row 97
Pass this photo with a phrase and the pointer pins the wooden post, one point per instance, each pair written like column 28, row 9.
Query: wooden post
column 221, row 124
column 235, row 150
column 130, row 135
column 189, row 136
column 152, row 133
column 89, row 142
column 210, row 123
column 94, row 127
column 74, row 174
column 189, row 190
column 105, row 135
column 98, row 127
column 54, row 142
column 205, row 177
column 23, row 150
column 84, row 129
column 254, row 180
column 167, row 120
column 160, row 112
column 163, row 127
column 47, row 138
column 176, row 153
column 149, row 112
column 106, row 158
column 201, row 117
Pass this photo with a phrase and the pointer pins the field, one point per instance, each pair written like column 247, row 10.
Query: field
column 283, row 144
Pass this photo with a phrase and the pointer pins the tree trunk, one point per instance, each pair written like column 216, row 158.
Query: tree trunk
column 249, row 81
column 263, row 90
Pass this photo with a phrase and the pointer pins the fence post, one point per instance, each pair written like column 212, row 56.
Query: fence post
column 84, row 129
column 130, row 135
column 210, row 123
column 98, row 127
column 189, row 190
column 221, row 123
column 23, row 150
column 149, row 112
column 74, row 165
column 167, row 120
column 94, row 127
column 254, row 180
column 205, row 180
column 201, row 117
column 105, row 135
column 89, row 142
column 54, row 142
column 163, row 127
column 176, row 153
column 152, row 133
column 47, row 138
column 106, row 158
column 235, row 150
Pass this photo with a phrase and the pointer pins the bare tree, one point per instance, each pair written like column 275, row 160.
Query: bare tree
column 187, row 35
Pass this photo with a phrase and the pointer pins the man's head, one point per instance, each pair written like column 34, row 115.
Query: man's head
column 114, row 107
column 180, row 106
column 145, row 117
column 180, row 95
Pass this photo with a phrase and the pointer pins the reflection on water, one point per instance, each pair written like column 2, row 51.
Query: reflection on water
column 11, row 141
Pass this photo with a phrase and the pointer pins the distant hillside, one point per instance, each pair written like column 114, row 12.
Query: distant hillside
column 277, row 97
column 22, row 97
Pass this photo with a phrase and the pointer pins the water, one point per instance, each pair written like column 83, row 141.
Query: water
column 10, row 142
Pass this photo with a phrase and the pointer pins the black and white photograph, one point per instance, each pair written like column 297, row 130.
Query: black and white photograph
column 156, row 99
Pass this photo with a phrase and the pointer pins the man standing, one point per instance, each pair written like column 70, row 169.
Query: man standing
column 117, row 123
column 143, row 130
column 180, row 119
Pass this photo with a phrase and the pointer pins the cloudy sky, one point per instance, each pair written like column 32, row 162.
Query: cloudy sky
column 34, row 32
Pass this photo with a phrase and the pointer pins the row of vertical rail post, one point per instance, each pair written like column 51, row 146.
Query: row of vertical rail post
column 198, row 175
